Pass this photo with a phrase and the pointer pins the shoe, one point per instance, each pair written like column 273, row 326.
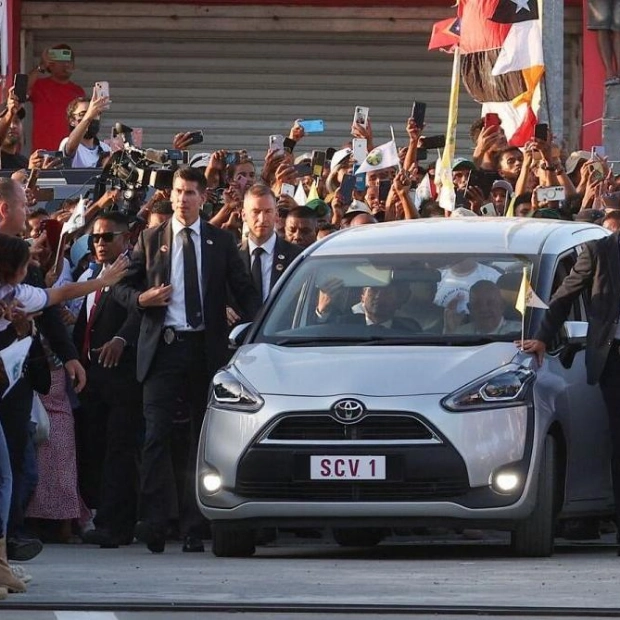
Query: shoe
column 8, row 580
column 23, row 549
column 192, row 545
column 155, row 538
column 20, row 572
column 106, row 539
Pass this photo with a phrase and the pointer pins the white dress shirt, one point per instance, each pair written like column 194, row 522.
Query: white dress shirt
column 269, row 248
column 175, row 312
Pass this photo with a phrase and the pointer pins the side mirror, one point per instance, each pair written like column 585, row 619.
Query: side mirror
column 575, row 332
column 237, row 335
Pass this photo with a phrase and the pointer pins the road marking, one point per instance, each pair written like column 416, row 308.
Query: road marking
column 85, row 615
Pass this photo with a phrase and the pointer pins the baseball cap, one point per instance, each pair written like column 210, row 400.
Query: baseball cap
column 461, row 162
column 79, row 250
column 200, row 160
column 463, row 212
column 357, row 206
column 574, row 158
column 318, row 206
column 300, row 159
column 339, row 157
column 501, row 184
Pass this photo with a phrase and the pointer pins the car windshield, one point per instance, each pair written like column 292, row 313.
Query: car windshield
column 398, row 299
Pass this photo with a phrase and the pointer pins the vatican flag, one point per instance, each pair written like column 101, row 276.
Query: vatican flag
column 527, row 298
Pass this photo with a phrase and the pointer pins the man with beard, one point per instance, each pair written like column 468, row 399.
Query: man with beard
column 82, row 144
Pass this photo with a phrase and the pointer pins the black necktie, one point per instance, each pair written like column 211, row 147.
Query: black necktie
column 257, row 270
column 193, row 306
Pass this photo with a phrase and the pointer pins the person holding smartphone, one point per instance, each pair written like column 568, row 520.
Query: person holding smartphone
column 51, row 95
column 82, row 145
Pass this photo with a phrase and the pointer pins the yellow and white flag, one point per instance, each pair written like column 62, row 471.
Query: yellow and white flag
column 527, row 298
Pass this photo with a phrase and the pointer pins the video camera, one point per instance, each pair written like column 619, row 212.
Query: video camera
column 138, row 169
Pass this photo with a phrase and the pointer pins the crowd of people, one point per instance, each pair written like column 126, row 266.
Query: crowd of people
column 129, row 314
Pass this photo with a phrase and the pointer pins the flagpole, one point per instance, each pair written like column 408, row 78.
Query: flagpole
column 400, row 166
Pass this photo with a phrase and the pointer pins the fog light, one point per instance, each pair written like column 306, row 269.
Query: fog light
column 505, row 482
column 211, row 482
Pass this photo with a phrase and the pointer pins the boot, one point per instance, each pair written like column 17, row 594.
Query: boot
column 3, row 593
column 7, row 579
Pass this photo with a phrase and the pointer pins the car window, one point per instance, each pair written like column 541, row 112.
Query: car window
column 415, row 298
column 563, row 268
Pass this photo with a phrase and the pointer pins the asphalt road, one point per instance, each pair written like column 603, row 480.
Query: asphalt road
column 309, row 579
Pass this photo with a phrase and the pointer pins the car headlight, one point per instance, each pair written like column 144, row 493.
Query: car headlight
column 230, row 391
column 505, row 387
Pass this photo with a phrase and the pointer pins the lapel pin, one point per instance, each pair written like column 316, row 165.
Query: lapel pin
column 279, row 267
column 281, row 257
column 164, row 248
column 209, row 242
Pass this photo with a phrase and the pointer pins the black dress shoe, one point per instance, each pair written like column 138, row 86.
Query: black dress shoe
column 192, row 545
column 154, row 537
column 23, row 549
column 106, row 539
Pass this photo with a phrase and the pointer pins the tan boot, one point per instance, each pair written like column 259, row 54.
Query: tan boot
column 8, row 581
column 3, row 593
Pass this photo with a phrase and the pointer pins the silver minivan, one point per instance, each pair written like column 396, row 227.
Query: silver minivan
column 381, row 387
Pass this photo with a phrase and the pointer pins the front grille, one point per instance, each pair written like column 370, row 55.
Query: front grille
column 385, row 491
column 322, row 427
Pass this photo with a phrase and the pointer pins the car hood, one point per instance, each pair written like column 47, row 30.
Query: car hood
column 368, row 371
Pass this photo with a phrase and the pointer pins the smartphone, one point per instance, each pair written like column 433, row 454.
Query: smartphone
column 32, row 178
column 233, row 158
column 421, row 154
column 418, row 113
column 56, row 154
column 102, row 89
column 360, row 179
column 599, row 151
column 549, row 194
column 313, row 126
column 541, row 131
column 289, row 145
column 360, row 115
column 488, row 209
column 60, row 55
column 460, row 199
column 384, row 189
column 196, row 137
column 20, row 86
column 329, row 154
column 346, row 188
column 433, row 142
column 287, row 190
column 303, row 170
column 318, row 161
column 360, row 149
column 491, row 120
column 276, row 143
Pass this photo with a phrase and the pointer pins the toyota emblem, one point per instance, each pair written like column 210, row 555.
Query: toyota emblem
column 349, row 410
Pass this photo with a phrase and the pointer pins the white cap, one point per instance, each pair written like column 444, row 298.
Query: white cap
column 339, row 157
column 357, row 206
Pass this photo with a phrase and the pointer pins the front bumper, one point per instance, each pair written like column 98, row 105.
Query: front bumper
column 444, row 476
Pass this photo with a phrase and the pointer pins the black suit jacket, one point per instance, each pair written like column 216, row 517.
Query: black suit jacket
column 596, row 269
column 284, row 254
column 221, row 265
column 110, row 319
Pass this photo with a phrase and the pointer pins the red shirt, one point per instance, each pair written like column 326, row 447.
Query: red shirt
column 49, row 112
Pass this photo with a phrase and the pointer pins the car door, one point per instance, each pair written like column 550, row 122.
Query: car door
column 581, row 409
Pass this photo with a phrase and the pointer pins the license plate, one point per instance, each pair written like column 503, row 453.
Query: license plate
column 347, row 467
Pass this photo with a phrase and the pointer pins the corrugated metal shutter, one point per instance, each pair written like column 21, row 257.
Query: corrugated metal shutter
column 242, row 87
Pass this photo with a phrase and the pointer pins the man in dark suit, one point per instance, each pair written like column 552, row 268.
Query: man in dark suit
column 109, row 425
column 178, row 280
column 597, row 270
column 266, row 255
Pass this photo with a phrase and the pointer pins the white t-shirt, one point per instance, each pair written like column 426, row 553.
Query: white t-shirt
column 32, row 299
column 84, row 156
column 453, row 285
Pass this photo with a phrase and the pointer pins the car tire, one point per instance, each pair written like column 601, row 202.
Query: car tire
column 357, row 536
column 229, row 541
column 534, row 537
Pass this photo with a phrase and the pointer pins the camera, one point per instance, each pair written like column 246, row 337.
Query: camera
column 548, row 194
column 136, row 169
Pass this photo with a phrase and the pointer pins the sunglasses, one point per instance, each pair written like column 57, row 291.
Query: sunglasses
column 106, row 237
